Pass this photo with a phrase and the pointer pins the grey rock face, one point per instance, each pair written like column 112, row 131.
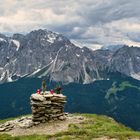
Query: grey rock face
column 43, row 53
column 127, row 61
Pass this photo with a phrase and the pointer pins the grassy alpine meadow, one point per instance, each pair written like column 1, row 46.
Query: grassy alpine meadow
column 95, row 126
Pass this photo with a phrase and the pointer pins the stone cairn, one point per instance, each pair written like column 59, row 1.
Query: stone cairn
column 45, row 108
column 48, row 107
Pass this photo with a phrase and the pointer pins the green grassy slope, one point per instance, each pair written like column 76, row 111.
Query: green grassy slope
column 121, row 87
column 95, row 126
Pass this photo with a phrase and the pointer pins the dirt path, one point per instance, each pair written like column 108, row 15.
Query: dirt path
column 47, row 128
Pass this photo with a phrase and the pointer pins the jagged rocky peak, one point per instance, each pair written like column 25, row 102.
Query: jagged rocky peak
column 43, row 53
column 32, row 52
column 46, row 36
column 127, row 61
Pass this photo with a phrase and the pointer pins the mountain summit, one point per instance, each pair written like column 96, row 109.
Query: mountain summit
column 42, row 53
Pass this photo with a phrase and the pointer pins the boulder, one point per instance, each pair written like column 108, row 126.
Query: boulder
column 46, row 102
column 39, row 118
column 24, row 122
column 48, row 96
column 2, row 129
column 62, row 118
column 37, row 97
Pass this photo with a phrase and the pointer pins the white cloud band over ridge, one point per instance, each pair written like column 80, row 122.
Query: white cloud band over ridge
column 91, row 22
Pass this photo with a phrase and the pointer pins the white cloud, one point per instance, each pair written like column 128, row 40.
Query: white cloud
column 91, row 22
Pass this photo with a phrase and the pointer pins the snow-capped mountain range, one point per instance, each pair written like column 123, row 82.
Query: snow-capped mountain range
column 42, row 53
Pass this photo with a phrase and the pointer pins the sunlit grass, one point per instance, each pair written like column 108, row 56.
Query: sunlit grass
column 94, row 126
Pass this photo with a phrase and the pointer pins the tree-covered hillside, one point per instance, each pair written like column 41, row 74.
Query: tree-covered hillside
column 118, row 97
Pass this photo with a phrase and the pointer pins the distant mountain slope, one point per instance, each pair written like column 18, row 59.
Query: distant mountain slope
column 122, row 102
column 42, row 53
column 127, row 61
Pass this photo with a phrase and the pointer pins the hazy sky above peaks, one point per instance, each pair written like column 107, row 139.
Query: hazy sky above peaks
column 88, row 22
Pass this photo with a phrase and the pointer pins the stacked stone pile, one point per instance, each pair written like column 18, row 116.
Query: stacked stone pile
column 47, row 107
column 23, row 122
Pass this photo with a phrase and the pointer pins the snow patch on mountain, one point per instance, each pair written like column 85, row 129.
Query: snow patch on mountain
column 2, row 76
column 51, row 38
column 5, row 77
column 35, row 72
column 2, row 40
column 9, row 79
column 70, row 79
column 17, row 43
column 59, row 39
column 14, row 61
column 138, row 57
column 136, row 75
column 78, row 55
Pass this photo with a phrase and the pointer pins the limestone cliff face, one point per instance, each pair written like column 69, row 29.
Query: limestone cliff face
column 42, row 53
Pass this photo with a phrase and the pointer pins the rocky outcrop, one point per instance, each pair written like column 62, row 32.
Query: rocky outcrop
column 23, row 122
column 47, row 107
column 42, row 53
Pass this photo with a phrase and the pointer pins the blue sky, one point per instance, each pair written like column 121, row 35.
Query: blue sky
column 92, row 23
